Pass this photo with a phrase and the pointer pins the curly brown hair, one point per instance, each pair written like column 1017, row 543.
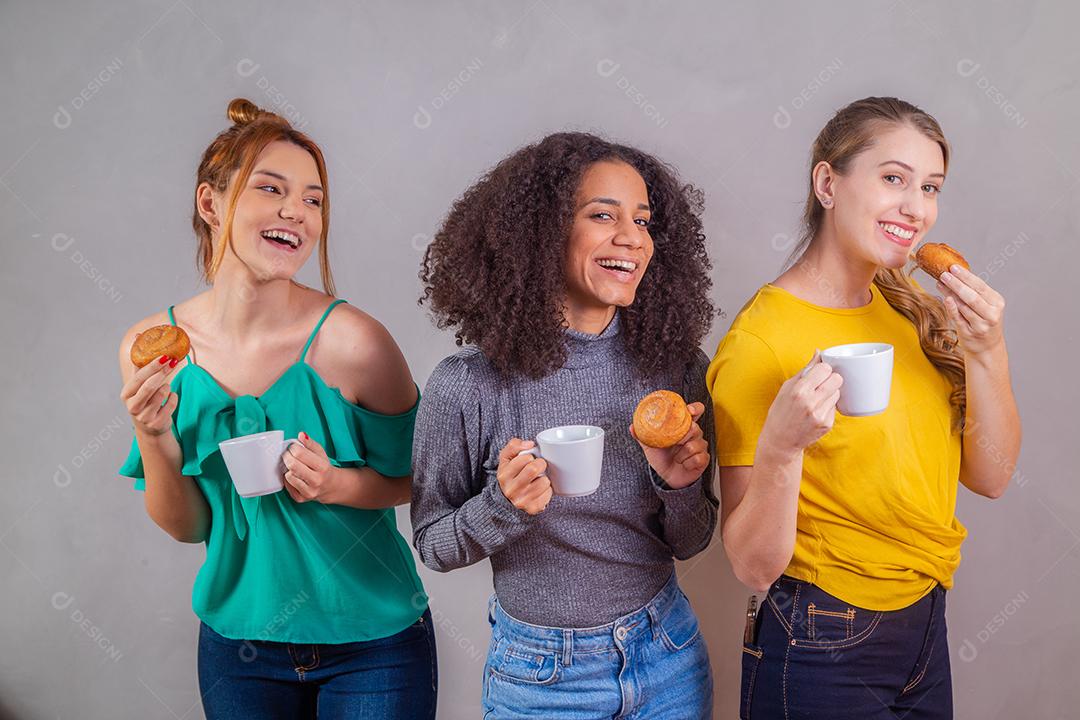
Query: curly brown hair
column 495, row 270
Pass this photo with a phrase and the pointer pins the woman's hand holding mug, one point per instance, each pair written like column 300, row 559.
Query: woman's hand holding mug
column 804, row 409
column 522, row 479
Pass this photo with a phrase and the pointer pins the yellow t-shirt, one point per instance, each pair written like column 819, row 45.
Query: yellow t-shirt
column 876, row 523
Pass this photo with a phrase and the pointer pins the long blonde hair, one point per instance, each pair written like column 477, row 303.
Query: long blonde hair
column 235, row 150
column 851, row 131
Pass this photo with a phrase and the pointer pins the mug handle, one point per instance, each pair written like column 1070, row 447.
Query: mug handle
column 285, row 445
column 534, row 451
column 810, row 365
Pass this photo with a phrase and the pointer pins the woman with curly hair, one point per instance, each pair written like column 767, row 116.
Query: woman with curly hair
column 848, row 524
column 576, row 271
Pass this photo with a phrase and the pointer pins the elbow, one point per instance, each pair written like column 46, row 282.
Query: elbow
column 758, row 581
column 181, row 532
column 686, row 553
column 998, row 489
column 433, row 563
column 185, row 535
column 990, row 488
column 755, row 573
column 429, row 557
column 437, row 566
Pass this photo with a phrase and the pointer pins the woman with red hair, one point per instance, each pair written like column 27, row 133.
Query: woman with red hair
column 309, row 599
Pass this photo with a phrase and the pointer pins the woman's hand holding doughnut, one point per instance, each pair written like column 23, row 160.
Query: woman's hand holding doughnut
column 679, row 463
column 976, row 309
column 149, row 399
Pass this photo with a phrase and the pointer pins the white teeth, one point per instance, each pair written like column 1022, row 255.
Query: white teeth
column 627, row 265
column 897, row 231
column 282, row 235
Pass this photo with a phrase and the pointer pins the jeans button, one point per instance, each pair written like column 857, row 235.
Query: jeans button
column 620, row 633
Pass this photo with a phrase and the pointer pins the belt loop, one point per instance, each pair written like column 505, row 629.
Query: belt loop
column 567, row 647
column 796, row 614
column 654, row 621
column 491, row 609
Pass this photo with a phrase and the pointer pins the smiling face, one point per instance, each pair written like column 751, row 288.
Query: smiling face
column 609, row 246
column 886, row 202
column 278, row 219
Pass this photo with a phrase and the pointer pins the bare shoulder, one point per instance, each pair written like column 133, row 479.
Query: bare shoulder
column 364, row 361
column 354, row 334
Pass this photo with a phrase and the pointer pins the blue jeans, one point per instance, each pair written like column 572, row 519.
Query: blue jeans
column 811, row 655
column 389, row 678
column 650, row 664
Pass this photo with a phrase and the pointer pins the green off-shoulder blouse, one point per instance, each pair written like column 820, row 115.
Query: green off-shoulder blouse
column 285, row 571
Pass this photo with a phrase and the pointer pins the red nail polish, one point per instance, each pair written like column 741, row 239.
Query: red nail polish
column 164, row 359
column 172, row 363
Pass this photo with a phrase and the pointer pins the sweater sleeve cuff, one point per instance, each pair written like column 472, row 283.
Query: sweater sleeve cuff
column 676, row 499
column 504, row 511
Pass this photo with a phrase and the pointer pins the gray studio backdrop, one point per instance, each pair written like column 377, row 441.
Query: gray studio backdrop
column 108, row 107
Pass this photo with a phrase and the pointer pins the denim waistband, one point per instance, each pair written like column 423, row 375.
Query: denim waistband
column 567, row 641
column 786, row 586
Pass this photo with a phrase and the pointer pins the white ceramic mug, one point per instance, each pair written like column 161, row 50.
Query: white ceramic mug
column 867, row 372
column 255, row 462
column 574, row 454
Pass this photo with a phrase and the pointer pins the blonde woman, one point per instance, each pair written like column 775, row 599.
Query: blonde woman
column 848, row 523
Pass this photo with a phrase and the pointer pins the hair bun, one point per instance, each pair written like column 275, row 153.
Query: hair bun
column 242, row 111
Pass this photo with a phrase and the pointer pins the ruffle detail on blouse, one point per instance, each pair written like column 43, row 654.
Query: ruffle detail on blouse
column 299, row 401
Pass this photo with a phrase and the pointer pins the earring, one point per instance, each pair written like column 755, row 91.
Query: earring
column 826, row 202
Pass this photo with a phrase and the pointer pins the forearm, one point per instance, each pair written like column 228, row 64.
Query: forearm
column 991, row 441
column 449, row 538
column 690, row 513
column 759, row 534
column 174, row 502
column 368, row 489
column 688, row 516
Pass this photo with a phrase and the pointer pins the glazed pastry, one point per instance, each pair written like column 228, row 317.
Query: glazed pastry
column 159, row 340
column 936, row 258
column 661, row 419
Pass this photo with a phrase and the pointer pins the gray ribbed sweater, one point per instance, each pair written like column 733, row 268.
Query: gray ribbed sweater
column 583, row 561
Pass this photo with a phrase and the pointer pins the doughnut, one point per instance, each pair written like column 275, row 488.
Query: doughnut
column 661, row 419
column 159, row 340
column 936, row 258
